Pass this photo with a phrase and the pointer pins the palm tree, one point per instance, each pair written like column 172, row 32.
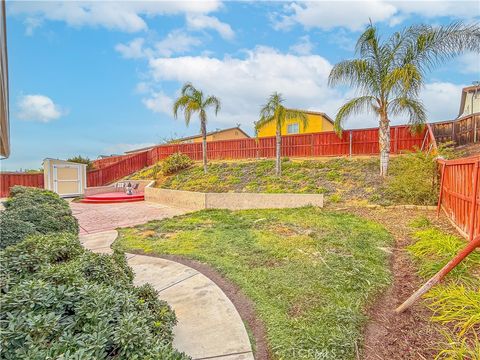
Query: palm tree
column 274, row 112
column 193, row 101
column 389, row 74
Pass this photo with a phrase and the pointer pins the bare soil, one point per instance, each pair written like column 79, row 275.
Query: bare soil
column 409, row 335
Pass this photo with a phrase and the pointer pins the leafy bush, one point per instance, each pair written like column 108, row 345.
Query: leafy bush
column 62, row 301
column 413, row 179
column 82, row 160
column 148, row 173
column 34, row 211
column 175, row 163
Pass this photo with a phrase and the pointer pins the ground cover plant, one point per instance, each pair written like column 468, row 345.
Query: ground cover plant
column 34, row 211
column 413, row 178
column 310, row 273
column 61, row 301
column 455, row 303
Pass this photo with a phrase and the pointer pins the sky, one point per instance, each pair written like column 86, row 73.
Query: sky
column 98, row 78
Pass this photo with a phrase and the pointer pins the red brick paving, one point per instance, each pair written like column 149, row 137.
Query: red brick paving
column 101, row 217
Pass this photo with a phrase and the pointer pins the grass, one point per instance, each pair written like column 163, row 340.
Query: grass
column 354, row 180
column 310, row 273
column 455, row 303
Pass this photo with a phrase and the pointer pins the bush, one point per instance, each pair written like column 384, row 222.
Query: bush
column 413, row 179
column 82, row 160
column 175, row 163
column 62, row 301
column 32, row 211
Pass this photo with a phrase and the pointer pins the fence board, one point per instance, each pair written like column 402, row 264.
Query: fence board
column 460, row 194
column 7, row 180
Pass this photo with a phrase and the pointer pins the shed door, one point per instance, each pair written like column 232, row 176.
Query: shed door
column 67, row 179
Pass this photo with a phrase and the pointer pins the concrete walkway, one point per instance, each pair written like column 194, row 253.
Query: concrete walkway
column 209, row 326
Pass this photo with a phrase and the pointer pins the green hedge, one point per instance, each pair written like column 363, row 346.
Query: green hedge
column 61, row 301
column 31, row 211
column 175, row 163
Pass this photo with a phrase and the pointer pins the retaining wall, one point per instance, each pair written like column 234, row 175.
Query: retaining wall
column 233, row 201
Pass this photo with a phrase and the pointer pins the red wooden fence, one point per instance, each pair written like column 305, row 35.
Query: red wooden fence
column 460, row 195
column 352, row 142
column 7, row 180
column 117, row 170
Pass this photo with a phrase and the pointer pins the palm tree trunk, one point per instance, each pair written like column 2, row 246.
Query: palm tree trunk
column 204, row 146
column 278, row 148
column 384, row 143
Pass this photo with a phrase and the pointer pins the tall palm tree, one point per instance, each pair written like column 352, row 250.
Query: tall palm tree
column 193, row 101
column 274, row 112
column 389, row 74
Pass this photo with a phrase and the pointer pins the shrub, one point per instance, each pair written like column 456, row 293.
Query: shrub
column 32, row 211
column 413, row 179
column 175, row 163
column 62, row 301
column 82, row 160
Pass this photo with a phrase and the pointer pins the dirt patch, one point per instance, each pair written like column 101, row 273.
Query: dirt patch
column 409, row 335
column 242, row 303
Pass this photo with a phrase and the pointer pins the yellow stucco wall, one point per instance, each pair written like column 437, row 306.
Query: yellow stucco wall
column 229, row 134
column 316, row 123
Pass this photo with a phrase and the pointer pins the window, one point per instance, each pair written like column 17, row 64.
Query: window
column 292, row 128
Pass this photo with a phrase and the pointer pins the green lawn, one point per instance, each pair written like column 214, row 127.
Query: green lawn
column 311, row 273
column 455, row 302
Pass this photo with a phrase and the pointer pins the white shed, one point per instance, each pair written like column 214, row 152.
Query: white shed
column 66, row 178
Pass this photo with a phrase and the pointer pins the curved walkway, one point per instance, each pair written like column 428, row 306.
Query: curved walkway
column 209, row 326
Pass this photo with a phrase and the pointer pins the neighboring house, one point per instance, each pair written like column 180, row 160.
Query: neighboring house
column 4, row 120
column 225, row 134
column 470, row 101
column 317, row 122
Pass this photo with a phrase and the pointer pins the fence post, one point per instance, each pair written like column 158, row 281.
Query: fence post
column 395, row 146
column 474, row 129
column 473, row 210
column 350, row 143
column 440, row 196
column 311, row 145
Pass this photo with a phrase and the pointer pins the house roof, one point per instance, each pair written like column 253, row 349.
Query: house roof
column 190, row 138
column 311, row 112
column 211, row 133
column 465, row 91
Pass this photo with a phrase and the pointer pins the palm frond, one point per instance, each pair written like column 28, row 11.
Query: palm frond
column 411, row 106
column 213, row 101
column 357, row 73
column 180, row 104
column 354, row 106
column 292, row 114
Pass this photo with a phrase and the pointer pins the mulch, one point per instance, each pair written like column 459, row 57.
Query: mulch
column 409, row 335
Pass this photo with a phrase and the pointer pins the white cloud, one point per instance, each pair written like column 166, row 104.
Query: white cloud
column 327, row 15
column 303, row 47
column 199, row 22
column 121, row 148
column 354, row 15
column 132, row 50
column 243, row 84
column 125, row 16
column 176, row 42
column 159, row 102
column 442, row 100
column 38, row 108
column 470, row 63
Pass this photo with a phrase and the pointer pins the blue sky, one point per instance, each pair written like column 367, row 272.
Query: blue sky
column 95, row 78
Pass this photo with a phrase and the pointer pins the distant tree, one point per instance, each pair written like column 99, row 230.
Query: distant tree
column 274, row 112
column 389, row 73
column 193, row 101
column 82, row 160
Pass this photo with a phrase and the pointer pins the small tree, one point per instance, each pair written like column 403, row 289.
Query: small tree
column 193, row 101
column 82, row 160
column 274, row 112
column 389, row 74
